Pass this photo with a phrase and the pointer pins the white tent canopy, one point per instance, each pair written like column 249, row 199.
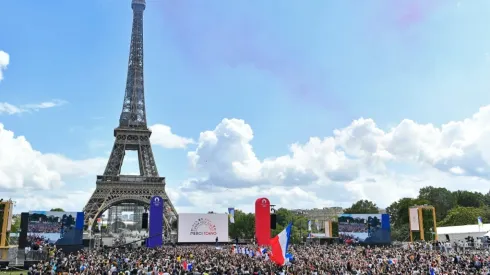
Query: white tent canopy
column 462, row 231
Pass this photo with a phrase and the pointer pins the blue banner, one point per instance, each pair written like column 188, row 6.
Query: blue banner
column 155, row 236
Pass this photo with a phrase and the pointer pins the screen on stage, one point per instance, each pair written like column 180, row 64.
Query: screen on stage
column 365, row 228
column 203, row 228
column 55, row 227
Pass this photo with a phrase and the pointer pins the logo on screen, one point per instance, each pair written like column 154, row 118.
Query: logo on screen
column 203, row 227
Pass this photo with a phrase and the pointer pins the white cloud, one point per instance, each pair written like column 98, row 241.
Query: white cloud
column 360, row 161
column 4, row 62
column 43, row 105
column 22, row 167
column 9, row 109
column 162, row 135
column 69, row 200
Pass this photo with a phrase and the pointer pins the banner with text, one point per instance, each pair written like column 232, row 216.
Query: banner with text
column 202, row 228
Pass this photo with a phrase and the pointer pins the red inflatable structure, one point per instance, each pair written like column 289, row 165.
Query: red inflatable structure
column 262, row 221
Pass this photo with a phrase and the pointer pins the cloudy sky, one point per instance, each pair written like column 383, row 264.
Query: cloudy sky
column 312, row 104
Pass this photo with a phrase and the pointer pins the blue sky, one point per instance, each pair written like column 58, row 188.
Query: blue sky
column 290, row 70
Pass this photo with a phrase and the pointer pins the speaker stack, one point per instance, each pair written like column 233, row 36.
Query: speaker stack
column 273, row 221
column 144, row 221
column 24, row 221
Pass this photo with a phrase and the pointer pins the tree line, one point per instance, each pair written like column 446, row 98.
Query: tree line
column 452, row 209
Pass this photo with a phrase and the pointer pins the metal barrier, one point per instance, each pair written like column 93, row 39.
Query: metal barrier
column 37, row 255
column 12, row 254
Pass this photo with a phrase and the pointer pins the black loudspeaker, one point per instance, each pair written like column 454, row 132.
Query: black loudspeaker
column 273, row 221
column 24, row 221
column 447, row 238
column 88, row 243
column 144, row 221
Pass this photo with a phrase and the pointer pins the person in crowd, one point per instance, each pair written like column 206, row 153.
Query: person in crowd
column 251, row 259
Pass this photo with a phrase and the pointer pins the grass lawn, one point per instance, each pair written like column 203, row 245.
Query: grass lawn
column 13, row 272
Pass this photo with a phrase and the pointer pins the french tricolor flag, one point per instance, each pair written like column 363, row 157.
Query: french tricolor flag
column 279, row 246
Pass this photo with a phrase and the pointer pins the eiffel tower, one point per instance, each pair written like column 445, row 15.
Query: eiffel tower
column 133, row 134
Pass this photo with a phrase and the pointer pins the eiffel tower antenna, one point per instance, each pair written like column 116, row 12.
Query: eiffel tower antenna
column 132, row 134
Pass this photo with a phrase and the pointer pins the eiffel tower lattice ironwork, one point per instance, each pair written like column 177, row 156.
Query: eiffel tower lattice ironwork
column 112, row 188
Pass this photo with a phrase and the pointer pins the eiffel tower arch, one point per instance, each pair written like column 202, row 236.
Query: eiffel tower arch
column 132, row 134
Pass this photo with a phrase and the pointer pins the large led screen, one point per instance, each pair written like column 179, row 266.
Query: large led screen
column 55, row 227
column 365, row 228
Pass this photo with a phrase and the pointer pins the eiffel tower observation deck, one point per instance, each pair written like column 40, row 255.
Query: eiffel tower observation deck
column 132, row 134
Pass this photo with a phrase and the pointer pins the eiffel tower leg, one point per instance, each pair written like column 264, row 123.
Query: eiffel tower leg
column 147, row 161
column 95, row 205
column 117, row 157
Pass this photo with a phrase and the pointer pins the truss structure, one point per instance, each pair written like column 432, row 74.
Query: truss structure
column 132, row 134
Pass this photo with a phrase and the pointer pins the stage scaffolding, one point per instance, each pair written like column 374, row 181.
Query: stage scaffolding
column 125, row 216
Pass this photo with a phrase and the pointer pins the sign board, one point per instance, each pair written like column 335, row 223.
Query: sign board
column 203, row 228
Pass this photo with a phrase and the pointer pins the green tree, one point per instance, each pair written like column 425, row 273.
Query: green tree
column 465, row 215
column 244, row 226
column 469, row 199
column 57, row 210
column 399, row 220
column 441, row 198
column 398, row 210
column 335, row 229
column 15, row 224
column 362, row 207
column 284, row 216
column 299, row 229
column 486, row 199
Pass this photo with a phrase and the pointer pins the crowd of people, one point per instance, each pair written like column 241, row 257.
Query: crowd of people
column 353, row 227
column 306, row 259
column 44, row 227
